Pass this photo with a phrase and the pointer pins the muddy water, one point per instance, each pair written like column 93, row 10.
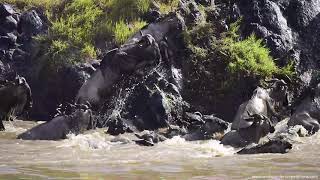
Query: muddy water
column 94, row 155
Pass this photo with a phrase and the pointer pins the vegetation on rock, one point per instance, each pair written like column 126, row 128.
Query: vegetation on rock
column 79, row 27
column 249, row 55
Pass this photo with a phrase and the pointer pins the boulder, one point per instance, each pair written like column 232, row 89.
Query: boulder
column 8, row 25
column 30, row 23
column 8, row 41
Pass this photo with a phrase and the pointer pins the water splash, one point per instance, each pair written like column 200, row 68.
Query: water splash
column 124, row 93
column 87, row 142
column 199, row 149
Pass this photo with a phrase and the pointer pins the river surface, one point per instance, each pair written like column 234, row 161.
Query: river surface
column 94, row 155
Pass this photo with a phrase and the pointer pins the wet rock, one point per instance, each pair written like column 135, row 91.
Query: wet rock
column 301, row 12
column 266, row 18
column 8, row 41
column 273, row 146
column 30, row 23
column 66, row 82
column 150, row 110
column 205, row 2
column 289, row 28
column 8, row 24
column 19, row 55
column 191, row 12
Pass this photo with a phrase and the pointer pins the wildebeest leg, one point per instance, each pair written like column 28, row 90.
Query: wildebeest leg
column 273, row 111
column 2, row 126
column 8, row 116
column 1, row 123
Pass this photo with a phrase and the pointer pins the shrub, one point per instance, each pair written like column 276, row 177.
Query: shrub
column 123, row 31
column 167, row 6
column 78, row 25
column 27, row 4
column 249, row 55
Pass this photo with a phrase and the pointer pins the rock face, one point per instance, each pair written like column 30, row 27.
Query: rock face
column 17, row 51
column 144, row 84
column 289, row 27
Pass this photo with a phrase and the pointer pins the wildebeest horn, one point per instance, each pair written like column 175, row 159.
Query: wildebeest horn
column 272, row 80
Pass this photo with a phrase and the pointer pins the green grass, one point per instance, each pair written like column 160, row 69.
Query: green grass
column 166, row 6
column 77, row 26
column 27, row 4
column 250, row 55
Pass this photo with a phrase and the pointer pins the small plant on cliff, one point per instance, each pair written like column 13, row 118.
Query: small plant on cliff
column 249, row 56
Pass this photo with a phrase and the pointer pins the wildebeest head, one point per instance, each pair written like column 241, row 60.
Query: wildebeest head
column 23, row 93
column 279, row 92
column 138, row 54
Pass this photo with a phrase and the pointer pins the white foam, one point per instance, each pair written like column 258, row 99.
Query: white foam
column 87, row 142
column 11, row 128
column 208, row 148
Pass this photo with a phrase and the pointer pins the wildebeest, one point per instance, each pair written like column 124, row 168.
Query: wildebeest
column 126, row 59
column 15, row 97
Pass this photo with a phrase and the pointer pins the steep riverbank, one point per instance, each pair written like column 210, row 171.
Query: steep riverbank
column 173, row 79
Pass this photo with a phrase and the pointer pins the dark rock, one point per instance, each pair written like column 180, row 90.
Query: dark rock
column 204, row 2
column 8, row 24
column 273, row 146
column 7, row 41
column 150, row 110
column 19, row 55
column 6, row 10
column 290, row 29
column 214, row 124
column 52, row 89
column 30, row 23
column 191, row 12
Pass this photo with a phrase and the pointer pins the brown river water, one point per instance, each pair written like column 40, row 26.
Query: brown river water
column 95, row 156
